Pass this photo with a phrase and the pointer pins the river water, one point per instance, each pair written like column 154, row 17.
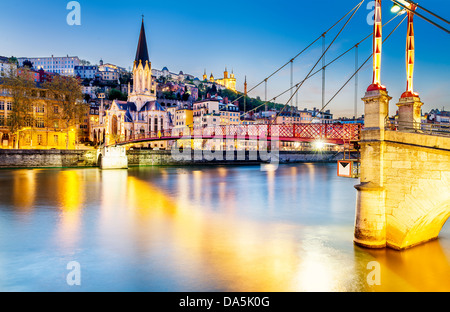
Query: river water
column 233, row 228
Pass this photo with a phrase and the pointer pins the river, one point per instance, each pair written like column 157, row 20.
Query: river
column 231, row 228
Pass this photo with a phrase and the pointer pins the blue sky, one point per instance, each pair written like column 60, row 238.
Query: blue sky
column 251, row 37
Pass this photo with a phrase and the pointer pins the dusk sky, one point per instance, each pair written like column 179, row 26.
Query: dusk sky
column 253, row 38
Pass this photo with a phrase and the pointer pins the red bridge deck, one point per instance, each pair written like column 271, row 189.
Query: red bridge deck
column 327, row 133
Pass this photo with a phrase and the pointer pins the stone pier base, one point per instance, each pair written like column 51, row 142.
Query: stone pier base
column 113, row 158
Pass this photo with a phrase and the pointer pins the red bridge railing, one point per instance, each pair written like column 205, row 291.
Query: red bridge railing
column 332, row 133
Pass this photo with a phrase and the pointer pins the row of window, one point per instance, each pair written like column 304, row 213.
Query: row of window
column 40, row 141
column 8, row 106
column 38, row 109
column 39, row 123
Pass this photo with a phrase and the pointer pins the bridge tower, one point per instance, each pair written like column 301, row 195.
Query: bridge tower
column 370, row 225
column 402, row 198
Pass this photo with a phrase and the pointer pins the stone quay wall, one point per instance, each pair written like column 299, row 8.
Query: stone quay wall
column 14, row 158
column 20, row 158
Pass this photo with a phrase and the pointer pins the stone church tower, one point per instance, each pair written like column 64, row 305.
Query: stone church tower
column 143, row 90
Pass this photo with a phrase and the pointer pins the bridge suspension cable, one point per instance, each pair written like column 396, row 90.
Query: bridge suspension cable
column 428, row 11
column 320, row 69
column 423, row 17
column 338, row 34
column 357, row 70
column 302, row 51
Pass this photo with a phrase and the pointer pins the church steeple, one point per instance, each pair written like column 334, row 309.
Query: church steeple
column 143, row 87
column 142, row 51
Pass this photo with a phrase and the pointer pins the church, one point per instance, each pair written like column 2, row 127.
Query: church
column 141, row 113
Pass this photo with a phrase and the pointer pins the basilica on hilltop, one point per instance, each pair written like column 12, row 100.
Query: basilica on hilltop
column 228, row 82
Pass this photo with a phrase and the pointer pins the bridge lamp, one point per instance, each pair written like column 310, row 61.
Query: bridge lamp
column 319, row 145
column 397, row 8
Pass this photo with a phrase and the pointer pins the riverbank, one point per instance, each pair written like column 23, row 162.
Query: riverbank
column 13, row 158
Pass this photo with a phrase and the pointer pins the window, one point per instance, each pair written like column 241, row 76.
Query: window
column 40, row 122
column 55, row 139
column 2, row 105
column 9, row 106
column 55, row 109
column 56, row 124
column 2, row 120
column 39, row 139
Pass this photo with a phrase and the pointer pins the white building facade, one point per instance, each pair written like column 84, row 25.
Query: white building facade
column 59, row 65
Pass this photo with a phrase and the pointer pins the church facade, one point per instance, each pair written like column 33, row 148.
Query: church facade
column 141, row 113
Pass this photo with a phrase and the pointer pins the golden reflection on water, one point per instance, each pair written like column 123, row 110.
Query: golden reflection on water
column 24, row 189
column 239, row 254
column 414, row 269
column 224, row 249
column 70, row 196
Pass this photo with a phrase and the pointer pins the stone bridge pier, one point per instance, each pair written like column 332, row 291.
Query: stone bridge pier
column 112, row 157
column 403, row 198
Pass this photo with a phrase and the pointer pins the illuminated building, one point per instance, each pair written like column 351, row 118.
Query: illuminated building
column 47, row 131
column 184, row 117
column 228, row 82
column 205, row 108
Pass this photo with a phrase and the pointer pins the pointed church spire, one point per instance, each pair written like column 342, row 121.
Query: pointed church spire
column 142, row 51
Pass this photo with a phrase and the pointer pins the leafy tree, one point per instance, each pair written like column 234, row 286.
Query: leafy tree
column 115, row 94
column 27, row 63
column 87, row 97
column 67, row 91
column 13, row 60
column 185, row 96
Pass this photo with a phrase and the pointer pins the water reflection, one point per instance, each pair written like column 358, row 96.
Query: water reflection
column 24, row 189
column 200, row 229
column 70, row 196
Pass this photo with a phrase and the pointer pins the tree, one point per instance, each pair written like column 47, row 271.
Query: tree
column 68, row 93
column 21, row 114
column 115, row 94
column 13, row 60
column 87, row 97
column 28, row 64
column 84, row 63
